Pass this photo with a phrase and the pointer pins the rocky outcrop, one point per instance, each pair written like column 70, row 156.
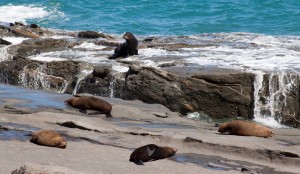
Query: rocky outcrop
column 55, row 76
column 92, row 35
column 103, row 82
column 218, row 95
column 30, row 31
column 36, row 46
column 4, row 42
column 280, row 96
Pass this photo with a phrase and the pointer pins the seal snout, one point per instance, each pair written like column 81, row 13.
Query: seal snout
column 63, row 145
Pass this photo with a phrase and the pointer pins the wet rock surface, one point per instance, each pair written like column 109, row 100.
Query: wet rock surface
column 218, row 93
column 31, row 168
column 96, row 143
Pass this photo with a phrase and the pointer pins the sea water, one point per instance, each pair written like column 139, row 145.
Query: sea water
column 156, row 17
column 253, row 36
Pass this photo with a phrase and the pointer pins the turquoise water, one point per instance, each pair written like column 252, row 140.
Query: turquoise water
column 156, row 17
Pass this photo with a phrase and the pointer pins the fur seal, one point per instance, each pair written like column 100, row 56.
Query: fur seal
column 48, row 138
column 127, row 48
column 151, row 152
column 245, row 128
column 85, row 103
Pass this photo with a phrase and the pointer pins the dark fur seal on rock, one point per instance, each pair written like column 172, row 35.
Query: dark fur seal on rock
column 85, row 103
column 48, row 138
column 245, row 128
column 127, row 48
column 151, row 152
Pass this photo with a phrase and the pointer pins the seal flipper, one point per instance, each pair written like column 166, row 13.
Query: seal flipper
column 84, row 111
column 108, row 115
column 138, row 162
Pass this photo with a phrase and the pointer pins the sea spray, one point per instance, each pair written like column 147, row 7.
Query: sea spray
column 271, row 96
column 112, row 86
column 118, row 69
column 86, row 70
column 3, row 53
column 200, row 116
column 82, row 75
column 36, row 78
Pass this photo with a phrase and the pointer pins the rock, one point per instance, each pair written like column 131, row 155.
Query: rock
column 34, row 26
column 218, row 95
column 31, row 168
column 36, row 46
column 19, row 24
column 160, row 114
column 24, row 33
column 101, row 71
column 38, row 75
column 103, row 82
column 91, row 35
column 278, row 93
column 4, row 42
column 30, row 31
column 88, row 34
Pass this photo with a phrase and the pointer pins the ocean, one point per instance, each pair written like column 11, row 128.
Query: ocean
column 253, row 36
column 155, row 17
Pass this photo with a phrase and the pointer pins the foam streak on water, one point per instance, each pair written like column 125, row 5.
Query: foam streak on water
column 19, row 13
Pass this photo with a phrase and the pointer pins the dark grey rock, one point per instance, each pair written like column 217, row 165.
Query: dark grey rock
column 218, row 95
column 4, row 42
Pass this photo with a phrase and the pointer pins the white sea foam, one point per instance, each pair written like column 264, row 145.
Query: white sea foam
column 198, row 116
column 4, row 55
column 119, row 68
column 90, row 46
column 15, row 40
column 270, row 122
column 265, row 53
column 19, row 13
column 59, row 37
column 83, row 74
column 151, row 52
column 47, row 59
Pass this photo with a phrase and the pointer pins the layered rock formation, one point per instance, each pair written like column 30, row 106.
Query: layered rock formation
column 217, row 93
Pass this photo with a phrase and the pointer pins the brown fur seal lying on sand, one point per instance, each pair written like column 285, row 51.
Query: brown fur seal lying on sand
column 151, row 152
column 85, row 103
column 127, row 48
column 245, row 128
column 48, row 138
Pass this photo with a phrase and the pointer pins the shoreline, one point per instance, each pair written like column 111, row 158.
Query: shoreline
column 100, row 145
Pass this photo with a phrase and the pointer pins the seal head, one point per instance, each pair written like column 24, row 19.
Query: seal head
column 151, row 152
